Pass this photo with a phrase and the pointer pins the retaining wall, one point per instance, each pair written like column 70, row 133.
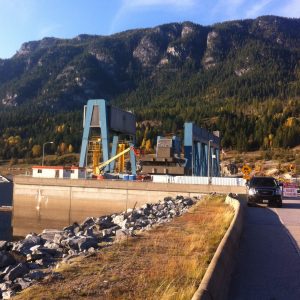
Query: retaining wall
column 6, row 191
column 54, row 203
column 216, row 281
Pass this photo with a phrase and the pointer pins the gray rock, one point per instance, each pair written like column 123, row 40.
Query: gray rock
column 73, row 252
column 3, row 245
column 45, row 262
column 6, row 271
column 18, row 271
column 36, row 275
column 71, row 227
column 173, row 212
column 25, row 245
column 146, row 206
column 50, row 245
column 33, row 265
column 8, row 294
column 88, row 222
column 71, row 243
column 5, row 286
column 34, row 248
column 86, row 243
column 188, row 201
column 91, row 250
column 118, row 219
column 41, row 262
column 48, row 251
column 23, row 282
column 110, row 231
column 34, row 256
column 104, row 222
column 6, row 259
column 57, row 238
column 121, row 234
column 96, row 231
column 48, row 234
column 88, row 232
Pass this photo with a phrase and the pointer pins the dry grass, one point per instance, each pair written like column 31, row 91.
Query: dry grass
column 165, row 263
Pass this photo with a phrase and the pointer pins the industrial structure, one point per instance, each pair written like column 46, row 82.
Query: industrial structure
column 200, row 158
column 56, row 196
column 167, row 158
column 115, row 129
column 109, row 136
column 202, row 151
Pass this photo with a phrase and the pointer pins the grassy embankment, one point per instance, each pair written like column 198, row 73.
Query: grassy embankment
column 167, row 262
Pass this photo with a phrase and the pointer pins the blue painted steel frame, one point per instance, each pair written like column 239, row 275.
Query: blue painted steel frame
column 113, row 152
column 86, row 133
column 104, row 128
column 196, row 142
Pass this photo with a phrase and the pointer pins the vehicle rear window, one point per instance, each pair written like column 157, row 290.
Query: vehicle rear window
column 270, row 182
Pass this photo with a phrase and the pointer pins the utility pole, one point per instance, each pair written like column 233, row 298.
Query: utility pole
column 208, row 161
column 44, row 151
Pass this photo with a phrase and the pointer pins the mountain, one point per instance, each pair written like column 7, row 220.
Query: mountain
column 240, row 77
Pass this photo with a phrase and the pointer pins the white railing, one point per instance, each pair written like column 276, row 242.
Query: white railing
column 228, row 181
column 191, row 180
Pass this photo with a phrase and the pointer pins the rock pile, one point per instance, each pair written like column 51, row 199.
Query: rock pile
column 24, row 262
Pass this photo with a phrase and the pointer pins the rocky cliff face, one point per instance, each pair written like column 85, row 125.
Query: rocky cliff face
column 57, row 70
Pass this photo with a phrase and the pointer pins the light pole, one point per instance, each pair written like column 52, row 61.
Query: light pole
column 44, row 151
column 208, row 161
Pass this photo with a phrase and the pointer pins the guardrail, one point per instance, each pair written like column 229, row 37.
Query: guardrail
column 217, row 278
column 228, row 181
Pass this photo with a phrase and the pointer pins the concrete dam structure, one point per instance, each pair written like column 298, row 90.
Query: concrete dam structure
column 57, row 196
column 41, row 203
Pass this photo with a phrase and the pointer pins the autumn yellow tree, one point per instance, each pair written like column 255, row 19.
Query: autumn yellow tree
column 70, row 149
column 36, row 150
column 62, row 148
column 148, row 146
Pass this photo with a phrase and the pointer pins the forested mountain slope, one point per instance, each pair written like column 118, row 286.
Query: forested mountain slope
column 240, row 77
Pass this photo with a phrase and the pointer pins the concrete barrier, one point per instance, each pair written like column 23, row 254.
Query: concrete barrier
column 41, row 203
column 216, row 281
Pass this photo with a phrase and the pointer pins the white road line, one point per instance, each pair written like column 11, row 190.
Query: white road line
column 288, row 233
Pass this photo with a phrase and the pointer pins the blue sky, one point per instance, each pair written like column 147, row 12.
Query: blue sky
column 28, row 20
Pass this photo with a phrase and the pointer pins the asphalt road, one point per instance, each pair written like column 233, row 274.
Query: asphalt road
column 268, row 261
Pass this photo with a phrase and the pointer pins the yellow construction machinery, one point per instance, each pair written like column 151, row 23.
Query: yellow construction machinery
column 121, row 160
column 120, row 155
column 95, row 149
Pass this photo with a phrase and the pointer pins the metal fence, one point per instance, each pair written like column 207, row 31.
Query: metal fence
column 228, row 181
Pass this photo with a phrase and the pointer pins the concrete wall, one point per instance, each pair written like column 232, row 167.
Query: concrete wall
column 6, row 191
column 5, row 226
column 41, row 203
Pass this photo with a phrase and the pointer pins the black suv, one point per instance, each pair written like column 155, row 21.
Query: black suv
column 264, row 190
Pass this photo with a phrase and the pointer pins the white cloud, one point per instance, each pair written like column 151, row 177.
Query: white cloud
column 228, row 9
column 257, row 9
column 292, row 9
column 129, row 6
